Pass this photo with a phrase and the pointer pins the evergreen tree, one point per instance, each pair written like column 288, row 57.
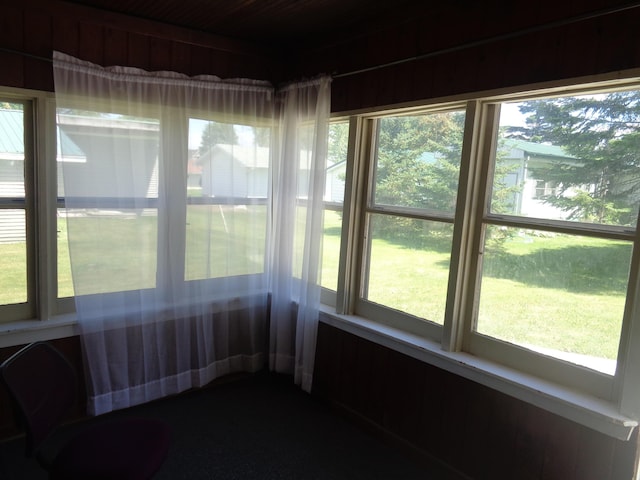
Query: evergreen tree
column 603, row 133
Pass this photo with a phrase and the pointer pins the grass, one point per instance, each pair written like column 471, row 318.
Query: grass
column 561, row 292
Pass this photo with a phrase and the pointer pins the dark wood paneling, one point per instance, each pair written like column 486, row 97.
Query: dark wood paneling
column 37, row 27
column 159, row 54
column 66, row 35
column 181, row 58
column 471, row 53
column 118, row 47
column 92, row 42
column 138, row 51
column 38, row 42
column 476, row 430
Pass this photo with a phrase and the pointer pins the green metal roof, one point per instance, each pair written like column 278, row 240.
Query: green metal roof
column 12, row 137
column 11, row 132
column 537, row 149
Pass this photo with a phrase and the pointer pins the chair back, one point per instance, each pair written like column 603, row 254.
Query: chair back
column 42, row 385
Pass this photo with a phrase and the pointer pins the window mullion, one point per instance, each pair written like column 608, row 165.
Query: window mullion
column 627, row 379
column 360, row 135
column 453, row 320
column 46, row 202
column 484, row 135
column 31, row 227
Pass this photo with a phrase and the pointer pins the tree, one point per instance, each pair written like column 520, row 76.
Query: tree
column 418, row 163
column 603, row 133
column 338, row 142
column 419, row 160
column 215, row 133
column 262, row 136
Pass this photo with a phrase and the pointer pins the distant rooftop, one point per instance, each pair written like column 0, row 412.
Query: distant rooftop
column 537, row 149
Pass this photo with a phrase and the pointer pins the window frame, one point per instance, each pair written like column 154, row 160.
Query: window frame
column 25, row 310
column 457, row 334
column 40, row 204
column 327, row 295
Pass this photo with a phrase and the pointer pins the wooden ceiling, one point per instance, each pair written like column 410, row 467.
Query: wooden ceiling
column 277, row 23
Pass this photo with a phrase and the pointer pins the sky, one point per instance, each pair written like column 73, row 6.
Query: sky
column 509, row 115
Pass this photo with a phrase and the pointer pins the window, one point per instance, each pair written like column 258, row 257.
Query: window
column 335, row 180
column 237, row 208
column 554, row 270
column 16, row 208
column 502, row 227
column 409, row 216
column 544, row 189
column 83, row 138
column 28, row 246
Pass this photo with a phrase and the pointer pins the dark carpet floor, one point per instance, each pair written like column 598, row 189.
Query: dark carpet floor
column 256, row 428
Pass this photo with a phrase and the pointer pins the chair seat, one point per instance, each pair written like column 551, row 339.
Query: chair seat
column 131, row 448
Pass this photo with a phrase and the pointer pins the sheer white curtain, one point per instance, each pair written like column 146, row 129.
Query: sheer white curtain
column 298, row 188
column 172, row 219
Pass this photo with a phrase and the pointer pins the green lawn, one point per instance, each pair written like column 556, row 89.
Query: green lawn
column 527, row 296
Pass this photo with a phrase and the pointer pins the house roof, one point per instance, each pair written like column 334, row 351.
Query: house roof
column 248, row 156
column 12, row 138
column 251, row 156
column 11, row 133
column 538, row 149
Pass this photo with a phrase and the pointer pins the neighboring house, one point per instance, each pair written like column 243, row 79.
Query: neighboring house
column 76, row 148
column 235, row 171
column 522, row 157
column 335, row 182
column 240, row 171
column 12, row 222
column 94, row 137
column 194, row 171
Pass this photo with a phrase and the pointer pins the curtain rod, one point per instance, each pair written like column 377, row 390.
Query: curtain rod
column 476, row 43
column 545, row 26
column 25, row 54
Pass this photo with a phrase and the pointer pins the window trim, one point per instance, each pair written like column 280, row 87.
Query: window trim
column 618, row 395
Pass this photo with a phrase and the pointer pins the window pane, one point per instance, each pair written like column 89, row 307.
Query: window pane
column 227, row 183
column 331, row 248
column 333, row 200
column 13, row 252
column 225, row 240
column 418, row 161
column 65, row 281
column 13, row 244
column 562, row 295
column 124, row 256
column 227, row 160
column 336, row 163
column 409, row 265
column 570, row 158
column 110, row 163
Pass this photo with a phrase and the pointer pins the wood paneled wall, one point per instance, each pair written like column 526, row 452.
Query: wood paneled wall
column 476, row 430
column 477, row 46
column 37, row 27
column 481, row 432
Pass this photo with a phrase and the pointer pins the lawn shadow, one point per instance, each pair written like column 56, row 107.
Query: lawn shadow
column 577, row 269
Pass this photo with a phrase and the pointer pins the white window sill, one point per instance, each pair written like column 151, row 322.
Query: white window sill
column 27, row 331
column 581, row 408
